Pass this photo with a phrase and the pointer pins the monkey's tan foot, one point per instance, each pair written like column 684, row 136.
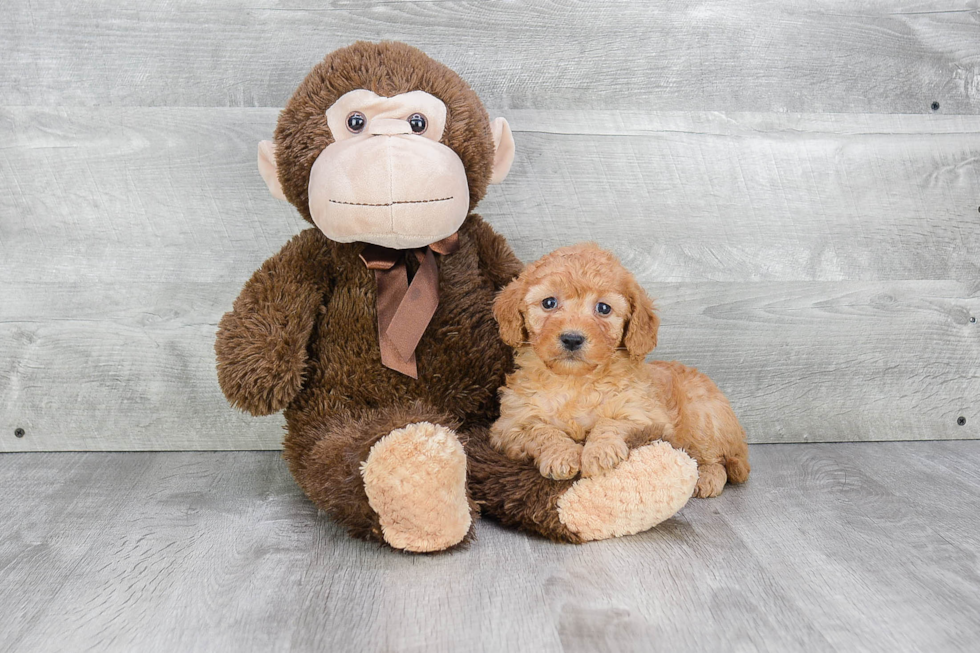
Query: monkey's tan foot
column 603, row 451
column 561, row 460
column 711, row 481
column 415, row 479
column 645, row 489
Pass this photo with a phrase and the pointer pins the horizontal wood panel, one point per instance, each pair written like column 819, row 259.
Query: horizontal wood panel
column 164, row 194
column 140, row 194
column 753, row 196
column 130, row 365
column 826, row 56
column 822, row 268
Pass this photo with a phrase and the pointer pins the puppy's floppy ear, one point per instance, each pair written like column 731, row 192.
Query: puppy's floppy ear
column 507, row 312
column 641, row 327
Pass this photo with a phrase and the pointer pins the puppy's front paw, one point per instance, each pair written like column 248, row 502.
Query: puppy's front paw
column 603, row 452
column 560, row 462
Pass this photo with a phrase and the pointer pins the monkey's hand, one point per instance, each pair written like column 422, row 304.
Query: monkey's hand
column 261, row 343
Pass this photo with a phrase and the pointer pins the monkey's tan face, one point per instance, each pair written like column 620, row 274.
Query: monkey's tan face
column 387, row 179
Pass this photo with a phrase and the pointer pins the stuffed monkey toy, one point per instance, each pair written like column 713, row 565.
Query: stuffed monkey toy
column 373, row 329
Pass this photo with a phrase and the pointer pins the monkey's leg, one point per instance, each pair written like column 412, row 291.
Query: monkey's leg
column 395, row 475
column 514, row 492
column 651, row 485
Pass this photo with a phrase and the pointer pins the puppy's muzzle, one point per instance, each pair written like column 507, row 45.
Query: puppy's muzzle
column 572, row 340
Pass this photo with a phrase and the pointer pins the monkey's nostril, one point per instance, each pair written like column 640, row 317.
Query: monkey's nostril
column 571, row 340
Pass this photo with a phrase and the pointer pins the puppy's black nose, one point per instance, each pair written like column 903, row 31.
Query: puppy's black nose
column 572, row 340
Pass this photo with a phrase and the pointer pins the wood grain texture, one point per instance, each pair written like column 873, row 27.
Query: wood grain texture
column 827, row 56
column 815, row 250
column 826, row 548
column 119, row 367
column 750, row 197
column 146, row 194
column 130, row 366
column 821, row 268
column 174, row 194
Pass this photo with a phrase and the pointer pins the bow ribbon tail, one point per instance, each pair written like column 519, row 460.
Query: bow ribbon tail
column 416, row 309
column 392, row 286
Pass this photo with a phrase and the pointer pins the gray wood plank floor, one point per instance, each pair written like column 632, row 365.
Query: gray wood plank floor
column 859, row 546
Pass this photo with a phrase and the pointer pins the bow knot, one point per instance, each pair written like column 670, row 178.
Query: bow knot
column 404, row 311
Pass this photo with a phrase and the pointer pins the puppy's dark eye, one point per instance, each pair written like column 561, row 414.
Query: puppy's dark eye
column 356, row 122
column 549, row 303
column 417, row 122
column 603, row 309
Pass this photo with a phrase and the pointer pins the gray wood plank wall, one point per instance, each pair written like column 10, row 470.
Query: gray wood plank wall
column 773, row 171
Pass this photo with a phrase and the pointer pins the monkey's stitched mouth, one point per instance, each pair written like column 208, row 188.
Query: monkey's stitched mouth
column 440, row 199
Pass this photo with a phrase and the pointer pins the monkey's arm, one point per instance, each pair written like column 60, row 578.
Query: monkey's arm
column 261, row 343
column 497, row 259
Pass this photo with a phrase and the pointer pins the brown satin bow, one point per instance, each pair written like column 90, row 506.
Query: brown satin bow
column 404, row 311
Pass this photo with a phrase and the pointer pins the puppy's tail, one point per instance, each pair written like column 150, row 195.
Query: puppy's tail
column 737, row 463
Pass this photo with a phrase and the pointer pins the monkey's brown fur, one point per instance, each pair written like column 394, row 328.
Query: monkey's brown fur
column 302, row 336
column 517, row 495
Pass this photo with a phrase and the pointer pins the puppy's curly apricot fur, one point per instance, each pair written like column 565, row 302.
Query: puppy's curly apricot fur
column 582, row 393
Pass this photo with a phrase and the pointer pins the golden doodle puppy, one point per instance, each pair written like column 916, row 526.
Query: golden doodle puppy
column 582, row 395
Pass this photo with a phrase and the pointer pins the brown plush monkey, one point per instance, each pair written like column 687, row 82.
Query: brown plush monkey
column 373, row 331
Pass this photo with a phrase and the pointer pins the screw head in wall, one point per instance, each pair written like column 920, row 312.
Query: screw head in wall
column 961, row 420
column 935, row 106
column 18, row 432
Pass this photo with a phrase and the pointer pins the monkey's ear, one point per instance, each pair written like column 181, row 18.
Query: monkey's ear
column 507, row 312
column 503, row 149
column 643, row 324
column 267, row 168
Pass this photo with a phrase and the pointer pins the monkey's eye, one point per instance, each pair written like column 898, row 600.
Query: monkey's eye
column 549, row 303
column 356, row 122
column 417, row 122
column 603, row 309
